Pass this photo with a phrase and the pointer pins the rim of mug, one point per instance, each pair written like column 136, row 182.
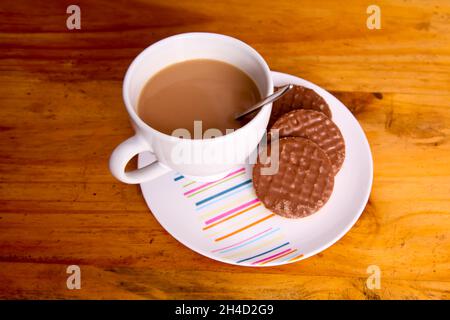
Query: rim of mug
column 133, row 112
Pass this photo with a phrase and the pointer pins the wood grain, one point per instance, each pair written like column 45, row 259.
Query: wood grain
column 62, row 115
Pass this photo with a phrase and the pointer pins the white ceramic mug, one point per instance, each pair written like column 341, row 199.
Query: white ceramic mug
column 242, row 142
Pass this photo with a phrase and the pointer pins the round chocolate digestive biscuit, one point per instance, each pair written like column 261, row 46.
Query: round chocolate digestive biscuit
column 298, row 98
column 318, row 128
column 302, row 183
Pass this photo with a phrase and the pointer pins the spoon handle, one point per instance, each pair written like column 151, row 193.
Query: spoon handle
column 274, row 96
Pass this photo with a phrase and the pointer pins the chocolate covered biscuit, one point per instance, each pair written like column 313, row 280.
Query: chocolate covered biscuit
column 317, row 127
column 298, row 98
column 303, row 182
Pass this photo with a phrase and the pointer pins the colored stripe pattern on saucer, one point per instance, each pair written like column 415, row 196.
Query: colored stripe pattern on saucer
column 239, row 226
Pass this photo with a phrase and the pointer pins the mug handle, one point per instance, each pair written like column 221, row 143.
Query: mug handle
column 124, row 152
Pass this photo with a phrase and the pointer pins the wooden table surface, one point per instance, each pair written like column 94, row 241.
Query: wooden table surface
column 62, row 114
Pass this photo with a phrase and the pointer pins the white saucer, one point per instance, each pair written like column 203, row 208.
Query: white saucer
column 225, row 221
